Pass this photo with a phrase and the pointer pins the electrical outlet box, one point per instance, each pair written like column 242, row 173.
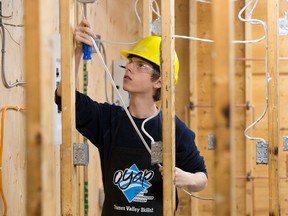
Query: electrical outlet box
column 211, row 142
column 56, row 80
column 283, row 26
column 261, row 152
column 118, row 74
column 156, row 153
column 80, row 154
column 285, row 143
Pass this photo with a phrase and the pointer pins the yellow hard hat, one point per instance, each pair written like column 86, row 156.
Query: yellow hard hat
column 149, row 48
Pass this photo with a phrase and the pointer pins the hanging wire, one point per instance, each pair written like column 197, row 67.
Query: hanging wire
column 12, row 37
column 143, row 128
column 3, row 52
column 157, row 10
column 257, row 22
column 252, row 21
column 3, row 110
column 136, row 11
column 129, row 115
column 119, row 95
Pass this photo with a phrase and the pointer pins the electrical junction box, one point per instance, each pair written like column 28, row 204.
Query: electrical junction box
column 283, row 26
column 57, row 119
column 211, row 142
column 285, row 143
column 261, row 152
column 118, row 74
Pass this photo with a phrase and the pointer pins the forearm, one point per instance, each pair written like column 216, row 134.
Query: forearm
column 196, row 181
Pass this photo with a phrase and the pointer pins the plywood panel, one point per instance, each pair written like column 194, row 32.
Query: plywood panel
column 14, row 161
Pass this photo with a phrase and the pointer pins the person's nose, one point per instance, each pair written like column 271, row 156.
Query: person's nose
column 129, row 66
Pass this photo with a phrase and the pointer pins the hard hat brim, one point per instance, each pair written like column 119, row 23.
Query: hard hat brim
column 126, row 53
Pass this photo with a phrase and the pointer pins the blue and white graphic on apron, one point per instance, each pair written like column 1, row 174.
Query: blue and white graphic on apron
column 134, row 183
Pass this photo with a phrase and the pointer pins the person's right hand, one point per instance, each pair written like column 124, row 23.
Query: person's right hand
column 82, row 34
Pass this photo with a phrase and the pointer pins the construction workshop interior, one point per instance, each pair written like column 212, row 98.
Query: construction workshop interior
column 231, row 91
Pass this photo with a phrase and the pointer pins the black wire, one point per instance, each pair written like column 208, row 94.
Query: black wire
column 6, row 17
column 11, row 36
column 9, row 24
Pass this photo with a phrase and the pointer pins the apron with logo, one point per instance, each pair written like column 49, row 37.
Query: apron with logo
column 132, row 185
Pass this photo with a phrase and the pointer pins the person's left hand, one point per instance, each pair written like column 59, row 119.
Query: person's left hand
column 181, row 176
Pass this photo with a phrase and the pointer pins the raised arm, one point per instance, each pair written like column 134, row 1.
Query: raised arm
column 81, row 35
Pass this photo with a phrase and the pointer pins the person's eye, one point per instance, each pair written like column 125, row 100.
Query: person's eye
column 142, row 65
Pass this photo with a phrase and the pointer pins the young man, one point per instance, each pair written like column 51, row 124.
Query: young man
column 132, row 185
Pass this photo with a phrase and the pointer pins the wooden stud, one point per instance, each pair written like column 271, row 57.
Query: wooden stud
column 168, row 106
column 273, row 108
column 240, row 111
column 82, row 86
column 249, row 119
column 146, row 18
column 204, row 91
column 38, row 66
column 223, row 83
column 193, row 81
column 69, row 189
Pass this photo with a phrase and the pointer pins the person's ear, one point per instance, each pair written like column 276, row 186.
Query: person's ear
column 158, row 84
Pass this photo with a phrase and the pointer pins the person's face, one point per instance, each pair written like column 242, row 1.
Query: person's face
column 137, row 76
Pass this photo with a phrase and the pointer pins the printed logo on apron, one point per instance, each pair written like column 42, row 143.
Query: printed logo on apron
column 134, row 183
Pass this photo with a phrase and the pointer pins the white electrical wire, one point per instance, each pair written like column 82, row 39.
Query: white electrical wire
column 203, row 1
column 130, row 117
column 249, row 20
column 136, row 11
column 118, row 42
column 143, row 129
column 257, row 22
column 252, row 21
column 192, row 38
column 201, row 198
column 157, row 11
column 119, row 95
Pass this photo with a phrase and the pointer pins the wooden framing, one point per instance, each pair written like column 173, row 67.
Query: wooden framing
column 168, row 106
column 82, row 86
column 223, row 83
column 273, row 108
column 259, row 180
column 70, row 197
column 39, row 145
column 147, row 18
column 193, row 80
column 249, row 119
